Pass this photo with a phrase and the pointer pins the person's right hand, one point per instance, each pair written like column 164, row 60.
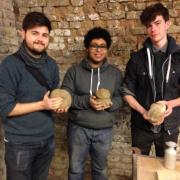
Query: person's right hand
column 145, row 115
column 97, row 105
column 51, row 103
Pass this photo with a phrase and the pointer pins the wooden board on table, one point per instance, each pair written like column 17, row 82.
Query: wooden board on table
column 168, row 175
column 152, row 168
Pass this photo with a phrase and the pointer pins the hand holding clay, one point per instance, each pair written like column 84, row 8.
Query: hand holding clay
column 156, row 112
column 65, row 95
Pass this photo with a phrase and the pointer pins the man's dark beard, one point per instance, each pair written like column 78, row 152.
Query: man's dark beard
column 33, row 51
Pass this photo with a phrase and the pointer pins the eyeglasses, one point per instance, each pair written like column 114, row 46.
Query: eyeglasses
column 96, row 47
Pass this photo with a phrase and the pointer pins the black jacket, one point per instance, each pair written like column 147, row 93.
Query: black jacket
column 139, row 82
column 78, row 82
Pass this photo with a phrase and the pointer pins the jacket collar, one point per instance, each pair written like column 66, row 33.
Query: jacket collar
column 85, row 64
column 172, row 45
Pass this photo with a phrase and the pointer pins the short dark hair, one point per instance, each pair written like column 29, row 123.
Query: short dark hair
column 33, row 19
column 97, row 33
column 151, row 12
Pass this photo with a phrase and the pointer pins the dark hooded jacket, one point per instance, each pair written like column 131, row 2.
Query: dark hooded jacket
column 139, row 82
column 82, row 81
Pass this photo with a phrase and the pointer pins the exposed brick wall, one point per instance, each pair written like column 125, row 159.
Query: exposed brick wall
column 70, row 20
column 8, row 43
column 8, row 30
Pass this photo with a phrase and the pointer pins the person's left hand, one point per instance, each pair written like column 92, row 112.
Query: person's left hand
column 107, row 105
column 169, row 108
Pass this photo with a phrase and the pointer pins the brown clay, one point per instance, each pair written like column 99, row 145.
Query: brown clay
column 65, row 95
column 156, row 111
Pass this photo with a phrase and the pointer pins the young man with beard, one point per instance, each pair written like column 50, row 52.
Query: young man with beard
column 25, row 107
column 153, row 74
column 90, row 121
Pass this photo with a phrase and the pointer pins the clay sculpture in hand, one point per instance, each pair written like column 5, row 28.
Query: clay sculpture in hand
column 103, row 95
column 156, row 111
column 65, row 95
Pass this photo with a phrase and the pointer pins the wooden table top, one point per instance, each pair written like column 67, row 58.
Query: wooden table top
column 152, row 168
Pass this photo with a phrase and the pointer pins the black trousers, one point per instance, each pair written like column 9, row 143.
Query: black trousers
column 143, row 139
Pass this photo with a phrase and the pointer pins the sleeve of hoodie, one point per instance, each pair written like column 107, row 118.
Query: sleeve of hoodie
column 8, row 85
column 78, row 101
column 116, row 98
column 129, row 82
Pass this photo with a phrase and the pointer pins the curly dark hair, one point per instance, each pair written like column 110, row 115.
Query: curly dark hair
column 33, row 19
column 97, row 33
column 151, row 12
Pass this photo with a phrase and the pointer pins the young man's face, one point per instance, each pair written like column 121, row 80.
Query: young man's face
column 36, row 39
column 97, row 50
column 157, row 30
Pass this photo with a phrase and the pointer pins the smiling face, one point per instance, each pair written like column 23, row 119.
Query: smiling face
column 157, row 31
column 36, row 39
column 97, row 52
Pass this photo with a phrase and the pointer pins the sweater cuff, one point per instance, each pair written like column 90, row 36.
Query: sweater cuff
column 4, row 112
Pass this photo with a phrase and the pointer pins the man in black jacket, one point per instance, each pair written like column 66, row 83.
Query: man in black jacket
column 25, row 106
column 153, row 74
column 91, row 121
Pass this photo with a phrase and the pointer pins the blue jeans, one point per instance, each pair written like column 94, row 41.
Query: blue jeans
column 29, row 161
column 84, row 141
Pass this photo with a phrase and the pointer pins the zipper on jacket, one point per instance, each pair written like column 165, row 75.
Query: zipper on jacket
column 168, row 131
column 162, row 85
column 151, row 72
column 154, row 85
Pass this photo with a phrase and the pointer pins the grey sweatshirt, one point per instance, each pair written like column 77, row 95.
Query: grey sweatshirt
column 82, row 81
